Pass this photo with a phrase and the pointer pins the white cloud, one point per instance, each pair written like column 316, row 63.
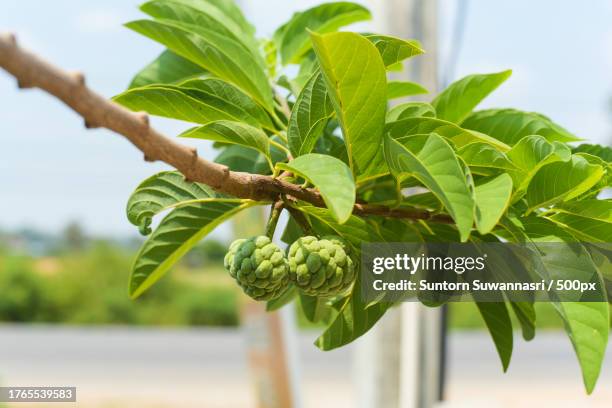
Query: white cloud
column 99, row 21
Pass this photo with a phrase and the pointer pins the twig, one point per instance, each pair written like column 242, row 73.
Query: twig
column 275, row 212
column 284, row 106
column 97, row 111
column 415, row 214
column 301, row 220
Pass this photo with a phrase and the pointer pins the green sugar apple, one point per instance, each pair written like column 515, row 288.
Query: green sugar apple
column 258, row 266
column 321, row 267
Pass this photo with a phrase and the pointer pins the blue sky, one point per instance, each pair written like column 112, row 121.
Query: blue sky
column 53, row 171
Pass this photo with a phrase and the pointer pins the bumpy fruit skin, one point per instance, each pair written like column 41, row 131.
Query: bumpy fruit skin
column 339, row 241
column 321, row 267
column 258, row 266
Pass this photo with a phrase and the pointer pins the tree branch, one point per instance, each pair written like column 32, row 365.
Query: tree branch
column 97, row 111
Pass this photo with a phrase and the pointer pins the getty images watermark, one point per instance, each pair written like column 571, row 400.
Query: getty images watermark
column 485, row 271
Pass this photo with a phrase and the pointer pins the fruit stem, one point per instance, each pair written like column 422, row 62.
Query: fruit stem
column 275, row 211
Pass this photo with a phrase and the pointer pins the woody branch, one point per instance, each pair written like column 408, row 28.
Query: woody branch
column 97, row 111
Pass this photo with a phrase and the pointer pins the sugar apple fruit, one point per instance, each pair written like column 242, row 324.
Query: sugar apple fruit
column 258, row 266
column 321, row 267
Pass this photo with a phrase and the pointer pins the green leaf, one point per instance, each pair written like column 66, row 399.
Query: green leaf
column 457, row 101
column 239, row 158
column 290, row 85
column 174, row 102
column 355, row 230
column 213, row 100
column 603, row 262
column 492, row 199
column 606, row 180
column 331, row 145
column 593, row 159
column 511, row 125
column 525, row 313
column 233, row 133
column 315, row 309
column 427, row 201
column 277, row 37
column 284, row 299
column 309, row 116
column 431, row 160
column 589, row 220
column 562, row 181
column 484, row 159
column 232, row 11
column 232, row 95
column 167, row 68
column 504, row 266
column 425, row 125
column 352, row 322
column 278, row 153
column 195, row 210
column 530, row 154
column 176, row 234
column 205, row 14
column 331, row 177
column 410, row 110
column 270, row 52
column 603, row 152
column 308, row 67
column 394, row 230
column 511, row 229
column 356, row 81
column 586, row 323
column 326, row 18
column 219, row 54
column 164, row 191
column 397, row 67
column 535, row 151
column 497, row 319
column 394, row 50
column 400, row 89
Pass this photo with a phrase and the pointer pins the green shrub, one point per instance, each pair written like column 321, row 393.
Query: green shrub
column 209, row 307
column 89, row 288
column 21, row 291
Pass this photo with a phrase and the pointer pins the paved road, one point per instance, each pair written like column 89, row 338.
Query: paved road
column 206, row 368
column 543, row 373
column 155, row 367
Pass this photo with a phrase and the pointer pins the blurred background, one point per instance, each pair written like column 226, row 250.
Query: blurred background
column 66, row 246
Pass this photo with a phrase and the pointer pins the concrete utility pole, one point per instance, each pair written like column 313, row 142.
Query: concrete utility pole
column 270, row 337
column 401, row 358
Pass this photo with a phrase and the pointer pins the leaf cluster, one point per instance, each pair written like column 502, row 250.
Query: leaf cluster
column 500, row 174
